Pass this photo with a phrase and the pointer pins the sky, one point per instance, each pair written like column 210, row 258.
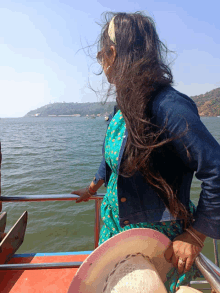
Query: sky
column 43, row 55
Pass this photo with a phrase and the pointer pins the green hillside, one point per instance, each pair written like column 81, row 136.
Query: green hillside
column 72, row 108
column 208, row 105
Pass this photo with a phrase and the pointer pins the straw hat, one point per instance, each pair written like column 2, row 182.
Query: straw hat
column 131, row 261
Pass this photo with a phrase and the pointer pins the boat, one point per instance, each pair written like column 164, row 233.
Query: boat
column 53, row 272
column 37, row 272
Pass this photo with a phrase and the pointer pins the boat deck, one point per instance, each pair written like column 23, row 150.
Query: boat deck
column 40, row 280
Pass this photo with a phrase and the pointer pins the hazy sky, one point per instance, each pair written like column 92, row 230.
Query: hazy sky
column 40, row 61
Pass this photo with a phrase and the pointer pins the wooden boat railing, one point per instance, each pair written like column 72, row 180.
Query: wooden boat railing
column 212, row 272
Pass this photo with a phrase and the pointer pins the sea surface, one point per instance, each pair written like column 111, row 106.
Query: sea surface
column 57, row 155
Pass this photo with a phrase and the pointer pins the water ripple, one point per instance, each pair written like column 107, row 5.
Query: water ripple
column 57, row 156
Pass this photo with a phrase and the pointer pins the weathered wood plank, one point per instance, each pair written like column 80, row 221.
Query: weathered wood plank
column 3, row 218
column 13, row 239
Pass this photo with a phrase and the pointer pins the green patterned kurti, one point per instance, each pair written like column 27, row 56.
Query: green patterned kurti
column 109, row 207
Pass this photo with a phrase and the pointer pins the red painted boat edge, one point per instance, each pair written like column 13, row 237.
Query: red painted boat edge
column 43, row 280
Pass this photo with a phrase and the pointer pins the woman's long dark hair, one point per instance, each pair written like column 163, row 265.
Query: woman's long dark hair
column 139, row 72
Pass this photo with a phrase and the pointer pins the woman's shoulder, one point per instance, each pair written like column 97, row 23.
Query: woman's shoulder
column 170, row 100
column 168, row 95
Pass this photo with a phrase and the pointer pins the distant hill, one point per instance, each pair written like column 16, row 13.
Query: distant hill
column 82, row 109
column 208, row 105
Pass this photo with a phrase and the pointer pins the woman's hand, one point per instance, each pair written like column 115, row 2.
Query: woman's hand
column 83, row 193
column 89, row 191
column 182, row 252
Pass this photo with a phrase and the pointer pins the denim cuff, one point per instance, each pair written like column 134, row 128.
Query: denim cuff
column 100, row 175
column 208, row 227
column 97, row 178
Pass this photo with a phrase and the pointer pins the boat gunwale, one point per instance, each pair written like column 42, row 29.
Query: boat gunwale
column 66, row 197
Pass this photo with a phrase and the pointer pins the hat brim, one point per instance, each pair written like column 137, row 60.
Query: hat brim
column 91, row 275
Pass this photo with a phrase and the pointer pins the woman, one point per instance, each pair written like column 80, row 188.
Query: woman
column 154, row 143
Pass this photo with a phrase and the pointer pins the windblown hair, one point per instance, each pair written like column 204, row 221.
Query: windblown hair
column 139, row 72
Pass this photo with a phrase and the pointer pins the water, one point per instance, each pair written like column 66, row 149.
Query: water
column 56, row 156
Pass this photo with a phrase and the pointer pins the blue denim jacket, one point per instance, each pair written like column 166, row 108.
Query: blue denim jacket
column 143, row 204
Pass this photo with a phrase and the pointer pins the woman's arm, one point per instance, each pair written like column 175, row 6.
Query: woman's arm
column 186, row 248
column 200, row 152
column 200, row 235
column 101, row 173
column 87, row 192
column 99, row 179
